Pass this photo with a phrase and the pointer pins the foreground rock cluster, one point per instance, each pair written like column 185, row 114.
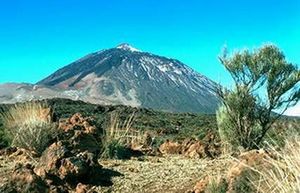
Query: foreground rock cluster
column 70, row 163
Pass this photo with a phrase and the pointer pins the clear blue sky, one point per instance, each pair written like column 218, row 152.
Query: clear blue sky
column 37, row 36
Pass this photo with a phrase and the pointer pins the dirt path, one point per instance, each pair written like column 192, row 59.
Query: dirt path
column 171, row 174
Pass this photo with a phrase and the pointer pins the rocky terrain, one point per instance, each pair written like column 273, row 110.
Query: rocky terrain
column 71, row 163
column 91, row 152
column 86, row 155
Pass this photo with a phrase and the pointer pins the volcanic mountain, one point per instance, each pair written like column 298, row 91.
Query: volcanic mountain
column 124, row 75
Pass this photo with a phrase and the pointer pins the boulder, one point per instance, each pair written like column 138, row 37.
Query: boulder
column 77, row 121
column 82, row 141
column 72, row 168
column 73, row 157
column 191, row 148
column 195, row 150
column 83, row 188
column 50, row 159
column 170, row 147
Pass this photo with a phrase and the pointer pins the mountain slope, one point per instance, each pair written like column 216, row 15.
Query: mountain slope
column 125, row 75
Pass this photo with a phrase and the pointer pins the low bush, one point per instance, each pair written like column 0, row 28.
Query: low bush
column 116, row 150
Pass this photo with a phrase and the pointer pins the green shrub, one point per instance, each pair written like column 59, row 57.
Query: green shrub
column 115, row 150
column 4, row 139
column 157, row 141
column 217, row 187
column 243, row 182
column 264, row 82
column 225, row 126
column 237, row 120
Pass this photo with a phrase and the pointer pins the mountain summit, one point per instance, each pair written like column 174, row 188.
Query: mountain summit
column 126, row 75
column 128, row 47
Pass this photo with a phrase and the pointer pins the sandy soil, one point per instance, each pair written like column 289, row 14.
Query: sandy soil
column 173, row 173
column 167, row 174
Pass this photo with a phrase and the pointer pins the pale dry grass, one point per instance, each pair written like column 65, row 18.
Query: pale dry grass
column 120, row 134
column 283, row 176
column 118, row 130
column 29, row 125
column 31, row 113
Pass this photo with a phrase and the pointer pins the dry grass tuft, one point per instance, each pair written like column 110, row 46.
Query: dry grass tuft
column 119, row 131
column 284, row 175
column 29, row 125
column 118, row 136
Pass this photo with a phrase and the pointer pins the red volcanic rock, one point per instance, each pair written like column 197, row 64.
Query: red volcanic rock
column 50, row 158
column 191, row 148
column 68, row 163
column 170, row 147
column 23, row 179
column 82, row 188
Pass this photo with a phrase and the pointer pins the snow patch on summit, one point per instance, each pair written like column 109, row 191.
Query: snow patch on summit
column 127, row 47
